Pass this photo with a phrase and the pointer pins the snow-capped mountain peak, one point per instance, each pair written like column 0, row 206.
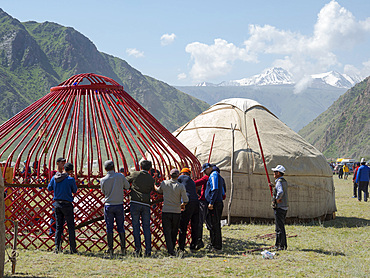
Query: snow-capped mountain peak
column 271, row 76
column 280, row 76
column 334, row 79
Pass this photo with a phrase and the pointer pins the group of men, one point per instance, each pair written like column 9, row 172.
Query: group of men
column 361, row 178
column 181, row 204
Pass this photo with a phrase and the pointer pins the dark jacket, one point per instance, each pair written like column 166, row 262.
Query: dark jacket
column 142, row 184
column 189, row 186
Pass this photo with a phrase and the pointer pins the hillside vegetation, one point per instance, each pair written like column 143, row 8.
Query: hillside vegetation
column 343, row 130
column 37, row 56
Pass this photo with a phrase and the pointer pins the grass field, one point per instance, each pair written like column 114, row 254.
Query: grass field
column 336, row 248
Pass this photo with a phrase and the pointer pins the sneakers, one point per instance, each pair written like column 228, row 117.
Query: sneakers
column 180, row 254
column 354, row 196
column 200, row 245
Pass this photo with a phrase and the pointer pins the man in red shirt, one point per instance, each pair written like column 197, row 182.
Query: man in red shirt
column 355, row 185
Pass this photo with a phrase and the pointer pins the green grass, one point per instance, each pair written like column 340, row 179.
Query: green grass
column 336, row 248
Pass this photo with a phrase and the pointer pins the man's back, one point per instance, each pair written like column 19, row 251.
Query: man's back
column 363, row 173
column 173, row 194
column 63, row 190
column 142, row 184
column 112, row 186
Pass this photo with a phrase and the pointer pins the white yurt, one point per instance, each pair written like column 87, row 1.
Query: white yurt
column 237, row 153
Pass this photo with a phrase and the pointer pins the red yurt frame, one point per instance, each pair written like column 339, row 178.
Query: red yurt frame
column 87, row 119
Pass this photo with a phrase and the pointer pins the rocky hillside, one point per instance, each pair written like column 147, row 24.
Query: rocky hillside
column 36, row 56
column 343, row 130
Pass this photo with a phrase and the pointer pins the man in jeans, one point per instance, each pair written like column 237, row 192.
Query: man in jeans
column 142, row 184
column 63, row 186
column 112, row 186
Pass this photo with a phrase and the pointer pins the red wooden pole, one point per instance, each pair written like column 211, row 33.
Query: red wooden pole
column 210, row 151
column 263, row 157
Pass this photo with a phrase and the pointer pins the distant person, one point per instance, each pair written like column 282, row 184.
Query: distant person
column 112, row 186
column 340, row 171
column 191, row 212
column 214, row 196
column 345, row 171
column 174, row 201
column 362, row 178
column 355, row 184
column 142, row 184
column 64, row 186
column 280, row 206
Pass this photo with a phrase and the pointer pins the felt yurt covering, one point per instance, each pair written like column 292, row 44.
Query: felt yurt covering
column 310, row 179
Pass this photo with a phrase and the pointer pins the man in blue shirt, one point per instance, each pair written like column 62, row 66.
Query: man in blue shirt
column 280, row 206
column 63, row 186
column 214, row 196
column 362, row 179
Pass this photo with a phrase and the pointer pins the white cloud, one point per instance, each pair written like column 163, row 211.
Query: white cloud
column 362, row 72
column 134, row 52
column 214, row 60
column 335, row 29
column 181, row 76
column 167, row 39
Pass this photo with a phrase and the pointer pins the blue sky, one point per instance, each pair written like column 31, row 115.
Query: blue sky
column 186, row 42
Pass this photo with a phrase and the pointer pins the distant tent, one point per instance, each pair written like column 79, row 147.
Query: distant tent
column 311, row 188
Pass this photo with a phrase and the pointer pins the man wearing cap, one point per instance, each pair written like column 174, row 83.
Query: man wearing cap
column 280, row 206
column 174, row 200
column 191, row 212
column 362, row 179
column 63, row 186
column 142, row 184
column 112, row 186
column 214, row 196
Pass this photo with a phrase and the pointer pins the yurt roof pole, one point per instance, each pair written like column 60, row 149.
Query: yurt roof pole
column 210, row 151
column 263, row 157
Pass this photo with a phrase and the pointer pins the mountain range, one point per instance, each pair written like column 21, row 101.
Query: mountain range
column 280, row 76
column 343, row 130
column 37, row 56
column 295, row 110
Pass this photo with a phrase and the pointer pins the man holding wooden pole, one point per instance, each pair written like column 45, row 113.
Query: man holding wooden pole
column 280, row 206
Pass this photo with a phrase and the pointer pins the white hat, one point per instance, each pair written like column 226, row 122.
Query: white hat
column 363, row 160
column 279, row 168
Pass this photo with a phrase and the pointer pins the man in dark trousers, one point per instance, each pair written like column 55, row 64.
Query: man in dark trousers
column 60, row 167
column 362, row 179
column 142, row 184
column 64, row 186
column 112, row 186
column 214, row 196
column 203, row 208
column 355, row 185
column 280, row 206
column 191, row 212
column 174, row 201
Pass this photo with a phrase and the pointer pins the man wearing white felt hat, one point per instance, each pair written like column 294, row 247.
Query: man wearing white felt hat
column 280, row 206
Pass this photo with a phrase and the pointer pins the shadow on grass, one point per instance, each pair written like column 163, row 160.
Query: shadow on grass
column 330, row 253
column 24, row 275
column 342, row 222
